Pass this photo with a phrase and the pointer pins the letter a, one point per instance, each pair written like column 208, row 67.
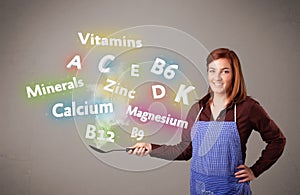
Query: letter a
column 154, row 91
column 75, row 62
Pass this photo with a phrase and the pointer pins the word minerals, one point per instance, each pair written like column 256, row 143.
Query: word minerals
column 41, row 89
column 60, row 110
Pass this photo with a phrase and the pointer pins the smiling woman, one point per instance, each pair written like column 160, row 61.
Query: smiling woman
column 221, row 123
column 220, row 75
column 229, row 72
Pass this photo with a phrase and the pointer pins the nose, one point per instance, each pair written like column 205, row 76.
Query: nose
column 218, row 77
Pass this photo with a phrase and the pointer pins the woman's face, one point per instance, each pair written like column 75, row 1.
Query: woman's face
column 220, row 76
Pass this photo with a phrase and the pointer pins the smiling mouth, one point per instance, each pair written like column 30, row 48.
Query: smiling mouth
column 218, row 84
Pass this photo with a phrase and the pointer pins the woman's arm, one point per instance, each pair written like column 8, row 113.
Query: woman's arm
column 271, row 134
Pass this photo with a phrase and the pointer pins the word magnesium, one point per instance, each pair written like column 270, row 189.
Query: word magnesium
column 148, row 116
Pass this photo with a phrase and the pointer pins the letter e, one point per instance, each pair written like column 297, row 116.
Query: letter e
column 135, row 70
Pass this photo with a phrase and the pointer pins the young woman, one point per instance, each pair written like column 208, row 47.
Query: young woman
column 219, row 127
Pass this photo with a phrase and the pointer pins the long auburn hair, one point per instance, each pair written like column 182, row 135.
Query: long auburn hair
column 237, row 92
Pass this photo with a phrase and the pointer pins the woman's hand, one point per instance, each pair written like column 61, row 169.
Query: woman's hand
column 245, row 174
column 141, row 149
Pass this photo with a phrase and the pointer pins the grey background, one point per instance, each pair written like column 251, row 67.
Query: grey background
column 39, row 155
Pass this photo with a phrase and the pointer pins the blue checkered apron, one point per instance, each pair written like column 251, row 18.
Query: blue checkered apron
column 216, row 154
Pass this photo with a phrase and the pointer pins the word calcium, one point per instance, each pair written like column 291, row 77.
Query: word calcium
column 60, row 110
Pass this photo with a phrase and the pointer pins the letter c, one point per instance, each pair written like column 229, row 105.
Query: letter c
column 54, row 109
column 103, row 62
column 130, row 94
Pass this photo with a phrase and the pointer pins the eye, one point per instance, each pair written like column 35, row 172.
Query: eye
column 211, row 70
column 226, row 71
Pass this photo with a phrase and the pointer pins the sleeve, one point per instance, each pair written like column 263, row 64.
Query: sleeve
column 271, row 134
column 182, row 150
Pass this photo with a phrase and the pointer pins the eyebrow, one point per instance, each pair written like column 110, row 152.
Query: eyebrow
column 221, row 69
column 225, row 68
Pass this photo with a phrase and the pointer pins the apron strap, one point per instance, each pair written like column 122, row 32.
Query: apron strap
column 198, row 114
column 234, row 112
